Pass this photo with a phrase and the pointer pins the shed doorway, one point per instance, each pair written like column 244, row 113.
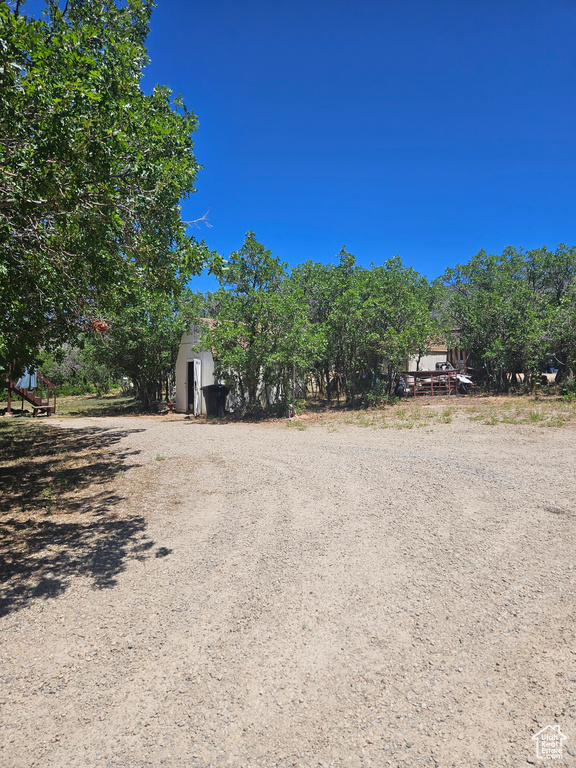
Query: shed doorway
column 193, row 386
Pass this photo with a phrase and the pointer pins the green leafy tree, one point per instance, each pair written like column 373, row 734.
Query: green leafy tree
column 399, row 317
column 562, row 335
column 67, row 368
column 142, row 344
column 371, row 321
column 92, row 171
column 63, row 366
column 262, row 332
column 552, row 274
column 320, row 286
column 500, row 315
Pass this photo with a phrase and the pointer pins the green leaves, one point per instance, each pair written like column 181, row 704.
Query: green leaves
column 507, row 309
column 371, row 320
column 92, row 171
column 262, row 327
column 142, row 341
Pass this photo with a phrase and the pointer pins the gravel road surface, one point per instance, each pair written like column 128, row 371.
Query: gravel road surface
column 267, row 596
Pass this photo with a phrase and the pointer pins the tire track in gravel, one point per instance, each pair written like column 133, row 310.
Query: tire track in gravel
column 355, row 598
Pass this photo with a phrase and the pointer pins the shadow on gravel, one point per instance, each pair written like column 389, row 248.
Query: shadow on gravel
column 105, row 410
column 57, row 518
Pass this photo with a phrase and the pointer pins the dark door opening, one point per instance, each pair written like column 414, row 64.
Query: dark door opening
column 190, row 387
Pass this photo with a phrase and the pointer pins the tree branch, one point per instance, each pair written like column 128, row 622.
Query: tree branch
column 196, row 222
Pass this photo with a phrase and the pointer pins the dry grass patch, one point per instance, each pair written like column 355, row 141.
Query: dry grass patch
column 431, row 412
column 113, row 404
column 534, row 410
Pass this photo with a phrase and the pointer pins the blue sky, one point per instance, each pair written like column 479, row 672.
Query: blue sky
column 425, row 129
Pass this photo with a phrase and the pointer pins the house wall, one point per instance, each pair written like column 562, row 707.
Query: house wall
column 185, row 355
column 427, row 362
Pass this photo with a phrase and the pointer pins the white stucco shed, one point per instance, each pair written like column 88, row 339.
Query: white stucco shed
column 193, row 370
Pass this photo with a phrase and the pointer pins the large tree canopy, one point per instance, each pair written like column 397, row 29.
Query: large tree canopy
column 142, row 344
column 371, row 320
column 92, row 171
column 515, row 312
column 262, row 334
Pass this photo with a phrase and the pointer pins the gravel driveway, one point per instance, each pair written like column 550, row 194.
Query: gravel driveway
column 277, row 597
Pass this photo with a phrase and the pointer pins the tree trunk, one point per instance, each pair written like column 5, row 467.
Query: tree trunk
column 561, row 373
column 242, row 391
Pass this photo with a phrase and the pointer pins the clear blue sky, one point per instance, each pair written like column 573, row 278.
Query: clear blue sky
column 419, row 128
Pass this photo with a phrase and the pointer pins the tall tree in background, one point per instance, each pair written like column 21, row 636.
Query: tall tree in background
column 562, row 334
column 372, row 320
column 321, row 285
column 91, row 173
column 262, row 332
column 500, row 314
column 142, row 343
column 552, row 274
column 399, row 304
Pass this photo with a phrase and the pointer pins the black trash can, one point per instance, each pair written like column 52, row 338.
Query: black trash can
column 215, row 396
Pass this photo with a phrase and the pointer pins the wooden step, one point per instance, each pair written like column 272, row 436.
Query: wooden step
column 39, row 403
column 47, row 410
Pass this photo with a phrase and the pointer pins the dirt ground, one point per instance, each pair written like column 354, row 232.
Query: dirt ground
column 263, row 595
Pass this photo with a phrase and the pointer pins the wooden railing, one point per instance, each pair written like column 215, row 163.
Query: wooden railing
column 39, row 397
column 46, row 385
column 431, row 383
